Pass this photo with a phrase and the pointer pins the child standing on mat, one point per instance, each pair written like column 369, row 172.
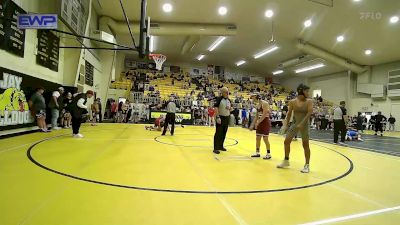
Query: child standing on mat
column 302, row 108
column 262, row 126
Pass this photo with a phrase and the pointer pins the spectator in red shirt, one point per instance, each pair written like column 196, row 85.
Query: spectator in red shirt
column 114, row 109
column 211, row 113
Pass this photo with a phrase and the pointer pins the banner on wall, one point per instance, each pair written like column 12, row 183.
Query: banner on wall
column 12, row 39
column 198, row 72
column 15, row 91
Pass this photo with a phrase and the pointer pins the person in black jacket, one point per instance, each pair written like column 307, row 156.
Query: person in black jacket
column 392, row 121
column 379, row 120
column 359, row 122
column 78, row 108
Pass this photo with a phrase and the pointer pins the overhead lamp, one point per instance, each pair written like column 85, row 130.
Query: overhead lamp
column 216, row 44
column 277, row 72
column 167, row 7
column 313, row 67
column 266, row 51
column 241, row 62
column 200, row 57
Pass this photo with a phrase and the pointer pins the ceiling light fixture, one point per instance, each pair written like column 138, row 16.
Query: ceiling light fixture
column 394, row 19
column 313, row 67
column 357, row 0
column 241, row 62
column 266, row 51
column 307, row 23
column 340, row 38
column 368, row 52
column 167, row 7
column 222, row 10
column 269, row 13
column 216, row 43
column 277, row 72
column 200, row 57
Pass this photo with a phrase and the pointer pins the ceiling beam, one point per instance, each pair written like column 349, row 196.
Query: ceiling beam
column 189, row 44
column 328, row 56
column 108, row 24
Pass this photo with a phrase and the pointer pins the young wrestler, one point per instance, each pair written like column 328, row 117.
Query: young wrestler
column 302, row 108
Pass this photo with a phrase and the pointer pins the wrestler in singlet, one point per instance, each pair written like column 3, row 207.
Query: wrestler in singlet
column 300, row 110
column 264, row 127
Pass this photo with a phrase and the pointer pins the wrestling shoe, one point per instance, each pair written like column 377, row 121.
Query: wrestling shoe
column 284, row 164
column 78, row 136
column 267, row 156
column 306, row 168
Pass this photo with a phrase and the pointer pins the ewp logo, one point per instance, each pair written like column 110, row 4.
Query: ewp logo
column 37, row 21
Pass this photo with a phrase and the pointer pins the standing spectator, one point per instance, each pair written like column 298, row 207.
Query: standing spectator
column 223, row 109
column 100, row 110
column 236, row 115
column 340, row 121
column 66, row 120
column 205, row 116
column 120, row 112
column 244, row 117
column 135, row 108
column 252, row 115
column 55, row 108
column 114, row 110
column 78, row 109
column 392, row 121
column 211, row 114
column 379, row 120
column 359, row 122
column 285, row 110
column 170, row 117
column 124, row 108
column 37, row 105
column 317, row 121
column 60, row 101
column 197, row 116
column 372, row 123
column 129, row 113
column 95, row 112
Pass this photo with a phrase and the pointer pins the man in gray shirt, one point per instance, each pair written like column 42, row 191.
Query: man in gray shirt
column 223, row 108
column 170, row 117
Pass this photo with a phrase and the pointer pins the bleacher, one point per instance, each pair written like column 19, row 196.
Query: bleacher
column 181, row 88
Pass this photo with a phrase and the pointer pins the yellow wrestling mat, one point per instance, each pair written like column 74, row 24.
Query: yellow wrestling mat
column 122, row 174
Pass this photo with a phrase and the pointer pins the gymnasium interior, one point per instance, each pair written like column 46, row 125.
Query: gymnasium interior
column 130, row 59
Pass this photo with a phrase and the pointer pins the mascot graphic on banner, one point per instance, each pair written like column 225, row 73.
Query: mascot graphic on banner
column 14, row 108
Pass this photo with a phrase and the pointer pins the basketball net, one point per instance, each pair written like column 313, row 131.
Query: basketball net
column 159, row 59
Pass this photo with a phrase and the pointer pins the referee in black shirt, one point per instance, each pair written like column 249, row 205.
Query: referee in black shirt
column 223, row 108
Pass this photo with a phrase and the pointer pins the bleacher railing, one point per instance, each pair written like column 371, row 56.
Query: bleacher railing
column 137, row 97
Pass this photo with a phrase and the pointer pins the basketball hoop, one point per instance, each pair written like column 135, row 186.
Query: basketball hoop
column 159, row 59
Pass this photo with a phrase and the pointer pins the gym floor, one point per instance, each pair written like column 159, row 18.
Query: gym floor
column 123, row 174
